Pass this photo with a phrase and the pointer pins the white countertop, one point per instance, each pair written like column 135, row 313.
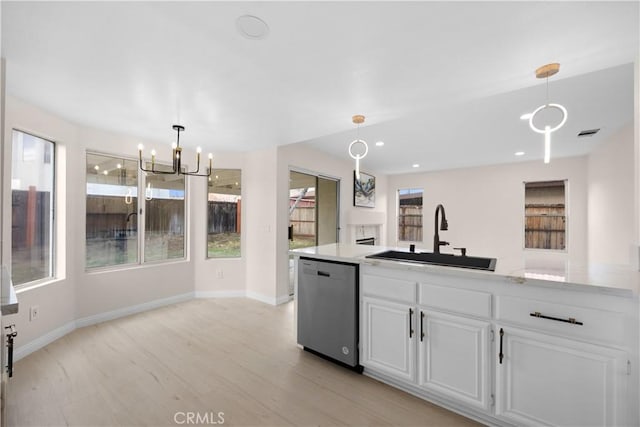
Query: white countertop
column 526, row 269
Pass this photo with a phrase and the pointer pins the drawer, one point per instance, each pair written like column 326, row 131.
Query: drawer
column 597, row 324
column 385, row 287
column 464, row 301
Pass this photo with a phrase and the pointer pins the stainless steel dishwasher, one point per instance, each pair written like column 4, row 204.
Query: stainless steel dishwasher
column 328, row 310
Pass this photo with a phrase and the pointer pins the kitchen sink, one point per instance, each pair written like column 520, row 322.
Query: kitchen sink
column 448, row 260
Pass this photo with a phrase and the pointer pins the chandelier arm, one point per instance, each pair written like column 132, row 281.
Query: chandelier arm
column 197, row 174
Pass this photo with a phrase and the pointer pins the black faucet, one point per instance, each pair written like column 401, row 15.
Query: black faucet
column 443, row 226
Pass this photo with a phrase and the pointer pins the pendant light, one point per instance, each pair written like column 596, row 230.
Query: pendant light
column 357, row 156
column 545, row 72
column 176, row 158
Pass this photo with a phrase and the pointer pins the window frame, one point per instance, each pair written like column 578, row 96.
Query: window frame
column 53, row 233
column 397, row 227
column 138, row 262
column 206, row 243
column 564, row 250
column 141, row 210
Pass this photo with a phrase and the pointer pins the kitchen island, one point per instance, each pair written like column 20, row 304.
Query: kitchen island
column 527, row 344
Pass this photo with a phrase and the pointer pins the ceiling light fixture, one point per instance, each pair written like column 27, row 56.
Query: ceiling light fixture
column 379, row 143
column 176, row 157
column 252, row 27
column 519, row 153
column 415, row 165
column 358, row 120
column 545, row 72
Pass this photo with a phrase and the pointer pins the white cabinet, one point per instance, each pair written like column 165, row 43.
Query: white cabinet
column 453, row 357
column 388, row 335
column 547, row 380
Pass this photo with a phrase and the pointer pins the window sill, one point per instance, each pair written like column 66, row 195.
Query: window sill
column 25, row 287
column 125, row 267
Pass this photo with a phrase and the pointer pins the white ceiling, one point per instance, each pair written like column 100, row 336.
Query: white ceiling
column 442, row 83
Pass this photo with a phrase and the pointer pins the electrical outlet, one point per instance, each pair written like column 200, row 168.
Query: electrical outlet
column 219, row 274
column 34, row 311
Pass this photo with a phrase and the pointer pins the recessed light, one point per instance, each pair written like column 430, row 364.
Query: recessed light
column 252, row 27
column 379, row 143
column 415, row 165
column 526, row 116
column 519, row 153
column 96, row 167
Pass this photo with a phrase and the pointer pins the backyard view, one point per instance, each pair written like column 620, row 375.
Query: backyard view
column 224, row 212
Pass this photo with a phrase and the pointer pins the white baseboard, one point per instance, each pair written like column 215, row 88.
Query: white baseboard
column 51, row 336
column 126, row 311
column 283, row 298
column 268, row 300
column 41, row 341
column 220, row 294
column 262, row 298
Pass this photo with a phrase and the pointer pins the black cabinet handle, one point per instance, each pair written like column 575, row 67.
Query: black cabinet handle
column 323, row 274
column 11, row 334
column 500, row 355
column 410, row 324
column 421, row 325
column 571, row 320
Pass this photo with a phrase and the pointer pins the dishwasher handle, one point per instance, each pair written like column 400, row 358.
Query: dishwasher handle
column 323, row 273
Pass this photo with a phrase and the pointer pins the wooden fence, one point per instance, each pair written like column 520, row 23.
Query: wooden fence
column 225, row 217
column 30, row 212
column 545, row 226
column 303, row 220
column 410, row 223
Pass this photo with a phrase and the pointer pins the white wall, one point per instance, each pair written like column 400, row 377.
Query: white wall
column 260, row 205
column 57, row 300
column 485, row 205
column 611, row 200
column 207, row 271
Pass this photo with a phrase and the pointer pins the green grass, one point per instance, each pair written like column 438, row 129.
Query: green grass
column 302, row 242
column 223, row 245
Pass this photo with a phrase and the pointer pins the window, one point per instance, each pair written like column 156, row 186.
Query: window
column 114, row 234
column 164, row 223
column 224, row 208
column 410, row 214
column 32, row 204
column 112, row 210
column 545, row 215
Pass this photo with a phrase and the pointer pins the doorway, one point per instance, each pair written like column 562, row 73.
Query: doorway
column 313, row 213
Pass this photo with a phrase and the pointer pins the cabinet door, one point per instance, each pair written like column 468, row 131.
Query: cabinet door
column 388, row 338
column 453, row 357
column 546, row 380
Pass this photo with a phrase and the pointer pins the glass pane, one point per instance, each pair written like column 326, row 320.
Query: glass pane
column 410, row 214
column 302, row 210
column 164, row 217
column 32, row 186
column 112, row 206
column 545, row 217
column 224, row 208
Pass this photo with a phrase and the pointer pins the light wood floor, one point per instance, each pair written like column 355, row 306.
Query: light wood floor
column 235, row 356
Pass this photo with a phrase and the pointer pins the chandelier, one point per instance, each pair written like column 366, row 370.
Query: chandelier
column 176, row 157
column 545, row 72
column 357, row 156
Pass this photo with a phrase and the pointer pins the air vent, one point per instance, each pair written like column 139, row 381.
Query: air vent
column 588, row 132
